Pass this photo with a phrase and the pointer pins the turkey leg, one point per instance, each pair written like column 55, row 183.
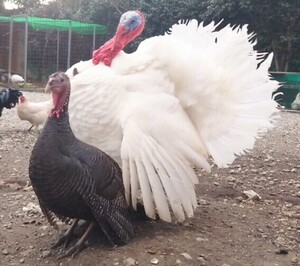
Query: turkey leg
column 65, row 237
column 74, row 250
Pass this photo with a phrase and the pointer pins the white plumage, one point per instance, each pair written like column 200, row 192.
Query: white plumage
column 13, row 79
column 192, row 93
column 35, row 113
column 17, row 79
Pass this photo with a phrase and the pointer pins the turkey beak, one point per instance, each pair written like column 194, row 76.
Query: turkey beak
column 49, row 85
column 47, row 88
column 54, row 85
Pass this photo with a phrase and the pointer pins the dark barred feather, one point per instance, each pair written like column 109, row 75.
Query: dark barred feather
column 53, row 218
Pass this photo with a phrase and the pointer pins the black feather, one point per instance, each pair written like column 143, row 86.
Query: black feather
column 8, row 98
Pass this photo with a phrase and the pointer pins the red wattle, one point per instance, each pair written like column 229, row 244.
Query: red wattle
column 104, row 53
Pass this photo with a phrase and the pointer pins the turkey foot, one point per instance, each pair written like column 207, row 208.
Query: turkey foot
column 79, row 244
column 65, row 237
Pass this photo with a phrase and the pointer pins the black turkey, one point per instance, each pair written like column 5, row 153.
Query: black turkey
column 74, row 180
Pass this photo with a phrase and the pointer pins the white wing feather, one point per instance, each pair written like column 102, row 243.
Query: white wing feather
column 162, row 110
column 161, row 149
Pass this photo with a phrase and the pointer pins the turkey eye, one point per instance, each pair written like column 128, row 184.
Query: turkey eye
column 132, row 24
column 61, row 80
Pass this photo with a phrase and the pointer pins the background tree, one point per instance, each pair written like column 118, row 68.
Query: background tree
column 275, row 22
column 2, row 6
column 27, row 6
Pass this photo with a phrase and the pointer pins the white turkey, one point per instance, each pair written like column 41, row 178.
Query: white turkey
column 191, row 94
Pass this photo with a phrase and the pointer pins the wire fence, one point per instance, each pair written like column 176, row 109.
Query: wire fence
column 36, row 47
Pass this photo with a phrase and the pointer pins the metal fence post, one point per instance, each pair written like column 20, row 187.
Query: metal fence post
column 11, row 25
column 26, row 49
column 69, row 44
column 94, row 38
column 57, row 51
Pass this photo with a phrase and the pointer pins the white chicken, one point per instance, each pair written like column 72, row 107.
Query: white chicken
column 35, row 113
column 181, row 98
column 14, row 79
column 17, row 79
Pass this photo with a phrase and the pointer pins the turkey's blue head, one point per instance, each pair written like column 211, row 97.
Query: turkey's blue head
column 130, row 26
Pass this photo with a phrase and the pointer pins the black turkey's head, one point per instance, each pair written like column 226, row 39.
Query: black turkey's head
column 59, row 84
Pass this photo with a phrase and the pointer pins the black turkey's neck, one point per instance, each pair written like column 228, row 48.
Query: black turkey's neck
column 60, row 125
column 65, row 107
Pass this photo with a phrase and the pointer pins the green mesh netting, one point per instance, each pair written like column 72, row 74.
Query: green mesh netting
column 288, row 77
column 46, row 24
column 290, row 87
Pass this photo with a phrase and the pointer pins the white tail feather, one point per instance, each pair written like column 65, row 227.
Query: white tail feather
column 134, row 182
column 145, row 189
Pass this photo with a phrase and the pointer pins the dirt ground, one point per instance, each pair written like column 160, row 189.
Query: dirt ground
column 228, row 229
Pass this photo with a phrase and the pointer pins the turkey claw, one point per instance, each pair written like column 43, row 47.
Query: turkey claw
column 73, row 251
column 65, row 237
column 62, row 240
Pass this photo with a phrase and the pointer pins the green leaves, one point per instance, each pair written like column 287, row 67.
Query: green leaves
column 275, row 22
